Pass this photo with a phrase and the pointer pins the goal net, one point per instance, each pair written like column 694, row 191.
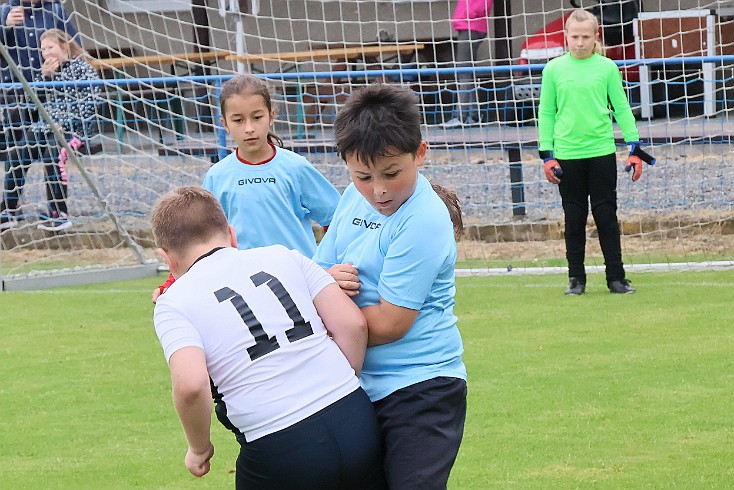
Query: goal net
column 162, row 62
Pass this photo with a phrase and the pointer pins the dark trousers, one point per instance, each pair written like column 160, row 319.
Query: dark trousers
column 37, row 148
column 584, row 181
column 467, row 49
column 422, row 426
column 16, row 118
column 337, row 448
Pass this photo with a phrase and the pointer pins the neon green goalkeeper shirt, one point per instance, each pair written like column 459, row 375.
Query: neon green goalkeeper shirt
column 574, row 116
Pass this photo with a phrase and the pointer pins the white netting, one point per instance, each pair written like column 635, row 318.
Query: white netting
column 163, row 61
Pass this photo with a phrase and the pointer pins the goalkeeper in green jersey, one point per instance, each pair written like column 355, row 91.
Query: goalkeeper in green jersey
column 576, row 142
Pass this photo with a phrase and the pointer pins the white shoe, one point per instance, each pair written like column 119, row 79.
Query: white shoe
column 55, row 222
column 8, row 220
column 454, row 122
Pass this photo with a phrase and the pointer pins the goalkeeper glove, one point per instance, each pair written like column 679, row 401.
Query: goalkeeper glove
column 634, row 160
column 552, row 169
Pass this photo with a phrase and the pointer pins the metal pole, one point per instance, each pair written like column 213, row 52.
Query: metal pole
column 502, row 32
column 517, row 187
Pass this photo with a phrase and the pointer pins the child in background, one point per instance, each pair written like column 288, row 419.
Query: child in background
column 451, row 200
column 470, row 21
column 22, row 24
column 73, row 110
column 576, row 143
column 273, row 339
column 391, row 247
column 269, row 194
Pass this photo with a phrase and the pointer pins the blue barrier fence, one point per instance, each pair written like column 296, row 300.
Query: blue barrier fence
column 164, row 110
column 161, row 100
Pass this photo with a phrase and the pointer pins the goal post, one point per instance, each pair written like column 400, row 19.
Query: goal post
column 162, row 63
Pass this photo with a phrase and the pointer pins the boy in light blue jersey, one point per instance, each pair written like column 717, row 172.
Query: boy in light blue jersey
column 391, row 247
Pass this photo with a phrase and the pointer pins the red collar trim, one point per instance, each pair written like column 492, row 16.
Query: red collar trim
column 237, row 153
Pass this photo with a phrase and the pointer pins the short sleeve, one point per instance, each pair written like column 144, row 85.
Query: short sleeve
column 319, row 196
column 413, row 263
column 174, row 331
column 316, row 277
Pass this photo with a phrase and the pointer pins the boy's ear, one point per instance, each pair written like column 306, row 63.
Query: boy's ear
column 420, row 155
column 232, row 237
column 224, row 123
column 170, row 260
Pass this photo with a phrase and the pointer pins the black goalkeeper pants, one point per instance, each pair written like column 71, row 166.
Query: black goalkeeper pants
column 591, row 181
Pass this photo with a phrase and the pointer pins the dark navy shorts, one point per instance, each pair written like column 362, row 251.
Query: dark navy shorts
column 334, row 449
column 421, row 427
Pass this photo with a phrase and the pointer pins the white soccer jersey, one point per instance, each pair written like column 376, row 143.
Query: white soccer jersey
column 267, row 351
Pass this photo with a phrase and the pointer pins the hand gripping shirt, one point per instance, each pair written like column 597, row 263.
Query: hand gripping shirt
column 408, row 259
column 574, row 116
column 273, row 202
column 224, row 303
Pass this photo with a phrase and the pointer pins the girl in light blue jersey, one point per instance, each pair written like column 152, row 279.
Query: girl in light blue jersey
column 269, row 194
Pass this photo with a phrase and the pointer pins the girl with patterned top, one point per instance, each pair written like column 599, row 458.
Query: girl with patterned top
column 72, row 108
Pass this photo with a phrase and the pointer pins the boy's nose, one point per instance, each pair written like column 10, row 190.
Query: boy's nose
column 380, row 190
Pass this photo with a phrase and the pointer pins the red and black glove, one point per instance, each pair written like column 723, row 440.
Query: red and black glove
column 636, row 163
column 635, row 159
column 551, row 167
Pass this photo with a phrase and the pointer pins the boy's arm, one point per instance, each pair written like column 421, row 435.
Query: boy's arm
column 193, row 401
column 345, row 323
column 387, row 322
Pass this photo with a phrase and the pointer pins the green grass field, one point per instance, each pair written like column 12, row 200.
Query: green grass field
column 597, row 391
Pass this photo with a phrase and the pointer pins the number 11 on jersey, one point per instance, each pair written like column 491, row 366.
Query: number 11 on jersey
column 265, row 344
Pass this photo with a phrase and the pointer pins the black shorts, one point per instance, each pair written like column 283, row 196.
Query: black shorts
column 421, row 427
column 336, row 448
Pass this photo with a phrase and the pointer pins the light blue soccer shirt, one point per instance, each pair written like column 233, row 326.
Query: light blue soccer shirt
column 273, row 203
column 408, row 259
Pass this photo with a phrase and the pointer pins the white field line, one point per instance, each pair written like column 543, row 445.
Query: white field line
column 597, row 269
column 484, row 272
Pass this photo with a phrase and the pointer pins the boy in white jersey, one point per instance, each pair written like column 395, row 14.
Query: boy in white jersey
column 391, row 246
column 274, row 340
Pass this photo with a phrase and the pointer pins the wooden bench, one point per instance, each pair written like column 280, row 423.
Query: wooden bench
column 348, row 53
column 335, row 89
column 160, row 59
column 118, row 64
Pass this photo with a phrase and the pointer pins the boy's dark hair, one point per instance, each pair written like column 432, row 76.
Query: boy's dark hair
column 246, row 84
column 378, row 120
column 186, row 216
column 451, row 200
